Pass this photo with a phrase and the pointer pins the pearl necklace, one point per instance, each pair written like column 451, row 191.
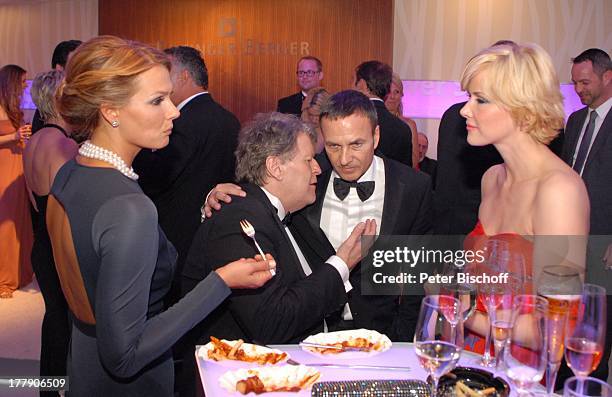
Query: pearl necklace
column 92, row 151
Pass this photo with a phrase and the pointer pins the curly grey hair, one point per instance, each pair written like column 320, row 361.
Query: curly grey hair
column 269, row 134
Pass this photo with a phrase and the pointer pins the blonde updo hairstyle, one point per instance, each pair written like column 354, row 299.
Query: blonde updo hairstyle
column 103, row 71
column 522, row 80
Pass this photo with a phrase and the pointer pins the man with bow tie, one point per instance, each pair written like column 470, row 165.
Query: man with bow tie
column 359, row 185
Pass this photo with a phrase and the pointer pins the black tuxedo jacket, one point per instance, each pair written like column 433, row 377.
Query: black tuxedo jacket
column 407, row 210
column 178, row 177
column 289, row 307
column 459, row 174
column 291, row 104
column 395, row 135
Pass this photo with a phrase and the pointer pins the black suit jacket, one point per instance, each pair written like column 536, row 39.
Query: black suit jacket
column 597, row 176
column 459, row 174
column 395, row 135
column 291, row 104
column 597, row 173
column 289, row 307
column 407, row 210
column 178, row 177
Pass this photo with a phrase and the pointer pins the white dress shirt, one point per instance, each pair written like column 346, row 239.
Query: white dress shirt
column 333, row 260
column 602, row 112
column 339, row 217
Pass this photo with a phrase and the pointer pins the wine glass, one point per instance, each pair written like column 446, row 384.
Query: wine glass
column 438, row 339
column 498, row 297
column 498, row 300
column 459, row 288
column 561, row 286
column 586, row 387
column 526, row 352
column 584, row 346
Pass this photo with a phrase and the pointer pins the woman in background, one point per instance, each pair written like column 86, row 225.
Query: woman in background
column 15, row 223
column 393, row 102
column 47, row 150
column 118, row 261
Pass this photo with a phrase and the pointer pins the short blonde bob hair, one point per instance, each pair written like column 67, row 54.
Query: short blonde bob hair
column 102, row 71
column 522, row 80
column 44, row 88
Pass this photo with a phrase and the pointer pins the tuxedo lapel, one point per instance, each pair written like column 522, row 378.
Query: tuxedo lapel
column 313, row 211
column 256, row 191
column 600, row 140
column 394, row 192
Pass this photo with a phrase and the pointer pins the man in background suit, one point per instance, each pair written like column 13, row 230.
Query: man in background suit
column 373, row 79
column 426, row 165
column 200, row 154
column 58, row 62
column 588, row 149
column 309, row 75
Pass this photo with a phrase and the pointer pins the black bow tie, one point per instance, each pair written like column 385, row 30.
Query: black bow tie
column 287, row 219
column 364, row 189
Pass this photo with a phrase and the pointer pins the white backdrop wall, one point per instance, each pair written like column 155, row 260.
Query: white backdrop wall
column 433, row 39
column 30, row 29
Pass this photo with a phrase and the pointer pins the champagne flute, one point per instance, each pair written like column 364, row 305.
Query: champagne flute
column 438, row 339
column 463, row 291
column 499, row 303
column 500, row 260
column 586, row 387
column 584, row 346
column 561, row 286
column 496, row 254
column 526, row 353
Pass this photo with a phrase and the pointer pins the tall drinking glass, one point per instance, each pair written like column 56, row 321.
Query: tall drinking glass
column 458, row 288
column 584, row 346
column 497, row 298
column 438, row 339
column 562, row 287
column 526, row 353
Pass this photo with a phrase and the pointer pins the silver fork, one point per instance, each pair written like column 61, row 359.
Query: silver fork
column 249, row 230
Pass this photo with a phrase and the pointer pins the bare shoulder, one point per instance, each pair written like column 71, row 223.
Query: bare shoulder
column 561, row 204
column 493, row 177
column 56, row 143
column 562, row 183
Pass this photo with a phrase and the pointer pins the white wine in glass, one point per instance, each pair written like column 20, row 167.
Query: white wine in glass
column 438, row 338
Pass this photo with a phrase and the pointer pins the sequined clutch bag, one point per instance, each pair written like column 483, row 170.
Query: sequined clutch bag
column 371, row 388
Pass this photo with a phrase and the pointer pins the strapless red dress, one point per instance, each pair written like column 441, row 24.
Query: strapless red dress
column 477, row 240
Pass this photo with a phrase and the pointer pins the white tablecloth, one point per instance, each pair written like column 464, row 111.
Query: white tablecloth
column 400, row 354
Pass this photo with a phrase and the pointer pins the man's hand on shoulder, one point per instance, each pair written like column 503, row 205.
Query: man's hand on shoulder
column 223, row 192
